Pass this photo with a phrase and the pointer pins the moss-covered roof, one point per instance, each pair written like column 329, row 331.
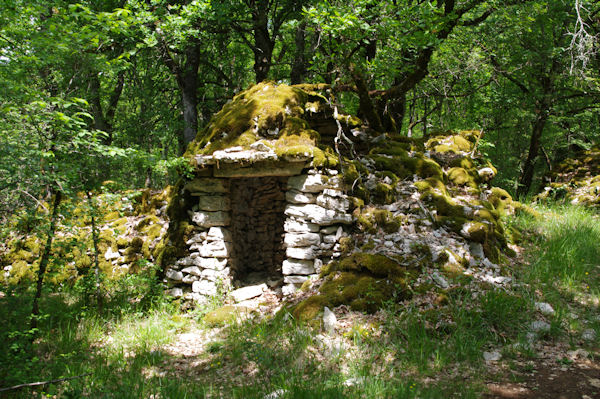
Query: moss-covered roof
column 279, row 116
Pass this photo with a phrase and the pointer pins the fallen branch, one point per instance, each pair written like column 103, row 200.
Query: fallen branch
column 39, row 383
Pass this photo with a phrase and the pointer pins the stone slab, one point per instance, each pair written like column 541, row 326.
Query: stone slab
column 301, row 239
column 297, row 266
column 211, row 219
column 260, row 169
column 317, row 214
column 214, row 203
column 251, row 291
column 207, row 185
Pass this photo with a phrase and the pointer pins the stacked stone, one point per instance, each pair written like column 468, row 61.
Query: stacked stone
column 316, row 210
column 210, row 249
column 257, row 224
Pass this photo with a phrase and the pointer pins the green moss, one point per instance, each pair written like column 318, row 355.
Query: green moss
column 500, row 199
column 310, row 308
column 383, row 194
column 152, row 232
column 370, row 218
column 461, row 177
column 346, row 245
column 378, row 265
column 225, row 315
column 434, row 192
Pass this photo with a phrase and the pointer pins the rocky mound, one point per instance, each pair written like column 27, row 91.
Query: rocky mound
column 130, row 228
column 576, row 179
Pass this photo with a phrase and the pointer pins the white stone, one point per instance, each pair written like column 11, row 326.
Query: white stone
column 212, row 263
column 544, row 308
column 289, row 289
column 215, row 249
column 174, row 275
column 318, row 265
column 301, row 239
column 251, row 291
column 295, row 279
column 193, row 270
column 439, row 280
column 187, row 261
column 260, row 146
column 318, row 214
column 197, row 238
column 539, row 326
column 219, row 233
column 110, row 254
column 189, row 278
column 589, row 334
column 175, row 292
column 486, row 173
column 297, row 266
column 294, row 226
column 214, row 203
column 309, row 183
column 275, row 394
column 492, row 356
column 330, row 239
column 204, row 287
column 210, row 219
column 329, row 320
column 329, row 229
column 214, row 275
column 302, row 253
column 335, row 203
column 297, row 197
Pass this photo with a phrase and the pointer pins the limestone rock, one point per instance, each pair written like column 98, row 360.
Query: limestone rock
column 301, row 239
column 214, row 203
column 335, row 203
column 211, row 219
column 329, row 320
column 295, row 279
column 289, row 289
column 215, row 249
column 309, row 183
column 544, row 308
column 296, row 266
column 492, row 356
column 318, row 214
column 193, row 270
column 219, row 233
column 175, row 275
column 251, row 291
column 207, row 185
column 302, row 253
column 294, row 226
column 211, row 263
column 297, row 197
column 175, row 292
column 204, row 287
column 111, row 255
column 539, row 326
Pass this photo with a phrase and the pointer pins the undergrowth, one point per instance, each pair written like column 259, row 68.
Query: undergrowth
column 407, row 350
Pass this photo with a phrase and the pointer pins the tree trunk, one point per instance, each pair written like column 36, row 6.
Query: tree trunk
column 35, row 310
column 263, row 44
column 188, row 83
column 534, row 147
column 299, row 65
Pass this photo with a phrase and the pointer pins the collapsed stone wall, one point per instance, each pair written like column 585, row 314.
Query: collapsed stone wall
column 243, row 225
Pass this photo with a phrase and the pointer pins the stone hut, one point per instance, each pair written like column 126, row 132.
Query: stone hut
column 267, row 206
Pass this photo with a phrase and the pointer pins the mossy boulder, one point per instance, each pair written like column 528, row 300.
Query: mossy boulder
column 225, row 314
column 362, row 281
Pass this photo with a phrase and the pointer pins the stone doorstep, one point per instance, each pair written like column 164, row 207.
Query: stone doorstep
column 251, row 291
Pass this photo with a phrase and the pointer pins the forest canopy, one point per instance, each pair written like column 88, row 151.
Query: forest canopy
column 100, row 90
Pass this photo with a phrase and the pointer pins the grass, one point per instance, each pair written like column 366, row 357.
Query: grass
column 409, row 350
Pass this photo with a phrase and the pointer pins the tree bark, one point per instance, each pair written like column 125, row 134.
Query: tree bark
column 534, row 148
column 189, row 94
column 35, row 310
column 299, row 65
column 263, row 43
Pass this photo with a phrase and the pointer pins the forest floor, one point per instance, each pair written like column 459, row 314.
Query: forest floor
column 536, row 337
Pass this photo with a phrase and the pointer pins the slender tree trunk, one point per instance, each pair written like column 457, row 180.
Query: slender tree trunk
column 299, row 65
column 534, row 147
column 189, row 94
column 35, row 310
column 263, row 43
column 92, row 207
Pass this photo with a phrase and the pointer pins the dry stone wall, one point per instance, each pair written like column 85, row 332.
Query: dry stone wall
column 280, row 230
